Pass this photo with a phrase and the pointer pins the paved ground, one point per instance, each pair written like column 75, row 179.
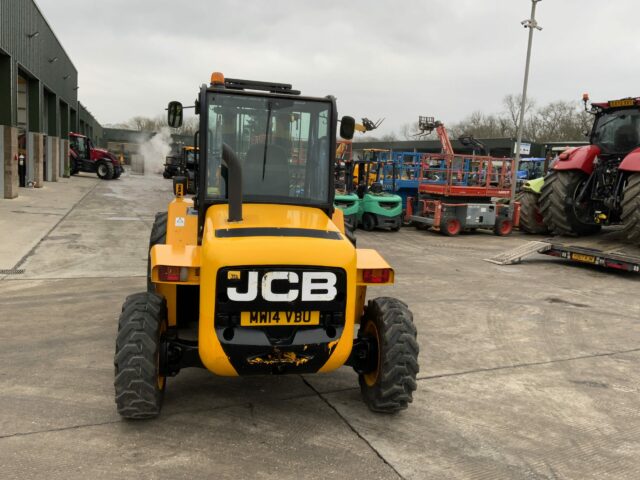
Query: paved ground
column 528, row 371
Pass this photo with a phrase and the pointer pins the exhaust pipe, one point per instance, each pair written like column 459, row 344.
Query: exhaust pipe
column 234, row 183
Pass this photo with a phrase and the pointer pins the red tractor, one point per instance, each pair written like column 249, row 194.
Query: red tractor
column 84, row 157
column 598, row 184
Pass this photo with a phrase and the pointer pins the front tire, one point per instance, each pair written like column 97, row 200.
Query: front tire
column 105, row 170
column 368, row 222
column 139, row 385
column 631, row 208
column 557, row 204
column 531, row 220
column 389, row 387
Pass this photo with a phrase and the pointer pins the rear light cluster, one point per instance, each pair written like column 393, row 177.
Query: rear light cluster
column 168, row 273
column 376, row 275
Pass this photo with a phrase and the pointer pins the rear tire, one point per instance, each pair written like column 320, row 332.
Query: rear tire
column 389, row 388
column 631, row 208
column 368, row 222
column 531, row 220
column 105, row 170
column 557, row 206
column 158, row 236
column 139, row 386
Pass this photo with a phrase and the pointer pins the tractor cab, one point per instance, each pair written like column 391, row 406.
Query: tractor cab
column 616, row 129
column 81, row 145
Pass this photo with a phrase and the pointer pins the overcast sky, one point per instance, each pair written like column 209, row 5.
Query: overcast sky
column 393, row 59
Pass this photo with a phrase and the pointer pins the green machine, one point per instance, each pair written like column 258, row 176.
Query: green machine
column 376, row 208
column 345, row 198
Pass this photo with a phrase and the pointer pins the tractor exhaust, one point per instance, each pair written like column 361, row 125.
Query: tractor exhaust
column 234, row 183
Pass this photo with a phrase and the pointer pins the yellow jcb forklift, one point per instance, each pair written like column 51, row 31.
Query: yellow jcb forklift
column 254, row 275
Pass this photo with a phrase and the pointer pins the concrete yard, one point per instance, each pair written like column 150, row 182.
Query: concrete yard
column 529, row 371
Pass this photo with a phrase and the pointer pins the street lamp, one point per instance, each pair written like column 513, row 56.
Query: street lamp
column 531, row 24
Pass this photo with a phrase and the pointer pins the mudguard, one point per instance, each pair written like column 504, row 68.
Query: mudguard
column 631, row 163
column 581, row 158
column 534, row 185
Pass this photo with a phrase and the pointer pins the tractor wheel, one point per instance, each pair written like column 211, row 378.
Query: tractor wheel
column 531, row 220
column 73, row 167
column 368, row 222
column 503, row 227
column 139, row 386
column 158, row 236
column 450, row 226
column 117, row 175
column 388, row 388
column 631, row 208
column 559, row 210
column 105, row 170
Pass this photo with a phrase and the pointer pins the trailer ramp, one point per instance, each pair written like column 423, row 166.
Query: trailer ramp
column 516, row 255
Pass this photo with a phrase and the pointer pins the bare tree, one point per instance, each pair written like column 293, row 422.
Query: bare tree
column 409, row 131
column 512, row 104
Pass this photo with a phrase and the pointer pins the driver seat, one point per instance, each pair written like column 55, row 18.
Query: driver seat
column 276, row 171
column 626, row 138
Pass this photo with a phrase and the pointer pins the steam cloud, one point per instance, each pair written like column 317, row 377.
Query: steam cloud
column 155, row 150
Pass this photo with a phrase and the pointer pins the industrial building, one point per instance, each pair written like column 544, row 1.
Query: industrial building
column 38, row 100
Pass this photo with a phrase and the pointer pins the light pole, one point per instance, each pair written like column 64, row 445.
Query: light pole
column 531, row 24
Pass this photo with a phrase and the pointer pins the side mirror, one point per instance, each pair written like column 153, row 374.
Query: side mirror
column 347, row 127
column 174, row 114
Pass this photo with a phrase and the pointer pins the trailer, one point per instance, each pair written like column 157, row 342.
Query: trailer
column 608, row 250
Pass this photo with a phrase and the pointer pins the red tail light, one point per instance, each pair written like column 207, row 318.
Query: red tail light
column 169, row 274
column 376, row 275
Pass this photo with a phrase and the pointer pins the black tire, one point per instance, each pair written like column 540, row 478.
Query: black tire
column 368, row 222
column 350, row 233
column 420, row 226
column 631, row 208
column 531, row 220
column 117, row 174
column 73, row 167
column 158, row 236
column 105, row 170
column 557, row 206
column 389, row 387
column 139, row 387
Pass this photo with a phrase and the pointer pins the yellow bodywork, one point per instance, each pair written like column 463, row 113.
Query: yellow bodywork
column 215, row 252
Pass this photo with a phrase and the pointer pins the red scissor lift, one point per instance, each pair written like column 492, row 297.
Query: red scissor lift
column 462, row 192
